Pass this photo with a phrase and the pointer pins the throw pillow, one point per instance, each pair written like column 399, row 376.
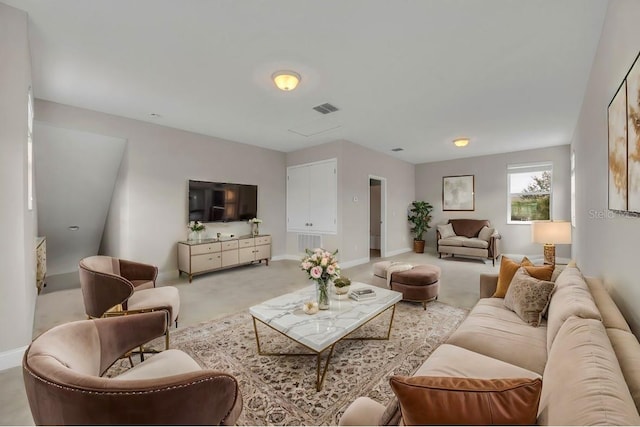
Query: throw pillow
column 509, row 267
column 467, row 401
column 486, row 233
column 528, row 297
column 446, row 231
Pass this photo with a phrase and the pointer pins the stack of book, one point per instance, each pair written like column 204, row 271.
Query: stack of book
column 362, row 294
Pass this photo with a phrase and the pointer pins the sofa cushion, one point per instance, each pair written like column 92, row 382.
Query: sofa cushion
column 453, row 241
column 164, row 364
column 446, row 231
column 486, row 233
column 627, row 350
column 475, row 242
column 468, row 227
column 583, row 383
column 495, row 331
column 571, row 298
column 528, row 297
column 452, row 361
column 460, row 401
column 611, row 316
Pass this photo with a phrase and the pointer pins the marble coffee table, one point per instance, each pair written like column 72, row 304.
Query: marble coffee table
column 320, row 332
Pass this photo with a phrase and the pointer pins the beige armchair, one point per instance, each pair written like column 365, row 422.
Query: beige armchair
column 112, row 285
column 63, row 370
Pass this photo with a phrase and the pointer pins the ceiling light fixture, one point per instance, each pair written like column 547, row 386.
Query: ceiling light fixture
column 286, row 80
column 461, row 142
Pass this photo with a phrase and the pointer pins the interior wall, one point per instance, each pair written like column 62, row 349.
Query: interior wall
column 491, row 194
column 606, row 242
column 76, row 176
column 149, row 213
column 355, row 164
column 17, row 222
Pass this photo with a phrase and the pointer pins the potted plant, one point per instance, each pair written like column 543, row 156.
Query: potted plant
column 341, row 285
column 419, row 216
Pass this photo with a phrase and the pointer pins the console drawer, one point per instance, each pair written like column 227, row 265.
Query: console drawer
column 205, row 248
column 247, row 243
column 205, row 262
column 264, row 240
column 231, row 244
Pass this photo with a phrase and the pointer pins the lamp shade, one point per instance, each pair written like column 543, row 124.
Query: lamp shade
column 553, row 232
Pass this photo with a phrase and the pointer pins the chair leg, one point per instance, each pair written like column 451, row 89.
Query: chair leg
column 424, row 305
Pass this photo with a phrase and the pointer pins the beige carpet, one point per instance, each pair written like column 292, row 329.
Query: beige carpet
column 280, row 390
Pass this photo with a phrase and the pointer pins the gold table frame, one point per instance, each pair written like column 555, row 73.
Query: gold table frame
column 320, row 377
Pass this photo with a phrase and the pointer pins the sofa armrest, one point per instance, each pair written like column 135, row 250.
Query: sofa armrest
column 488, row 285
column 362, row 412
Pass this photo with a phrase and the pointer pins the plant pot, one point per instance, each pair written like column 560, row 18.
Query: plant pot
column 418, row 246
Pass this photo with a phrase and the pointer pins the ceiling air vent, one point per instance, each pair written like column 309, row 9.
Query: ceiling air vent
column 397, row 149
column 325, row 108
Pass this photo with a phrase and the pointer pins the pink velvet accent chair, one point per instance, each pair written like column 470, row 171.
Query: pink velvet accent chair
column 111, row 285
column 63, row 370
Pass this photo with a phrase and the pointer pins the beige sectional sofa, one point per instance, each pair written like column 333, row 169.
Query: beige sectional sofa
column 585, row 353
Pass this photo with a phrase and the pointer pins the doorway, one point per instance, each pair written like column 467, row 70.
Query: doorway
column 377, row 220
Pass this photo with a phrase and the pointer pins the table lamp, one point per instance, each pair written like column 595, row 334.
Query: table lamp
column 551, row 233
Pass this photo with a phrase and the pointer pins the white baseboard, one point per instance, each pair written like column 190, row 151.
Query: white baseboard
column 398, row 252
column 353, row 263
column 11, row 358
column 286, row 257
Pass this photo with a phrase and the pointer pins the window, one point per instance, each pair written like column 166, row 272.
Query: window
column 529, row 187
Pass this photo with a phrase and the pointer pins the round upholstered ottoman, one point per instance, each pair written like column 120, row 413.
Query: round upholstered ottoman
column 421, row 283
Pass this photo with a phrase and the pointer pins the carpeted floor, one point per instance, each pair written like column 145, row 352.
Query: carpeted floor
column 280, row 390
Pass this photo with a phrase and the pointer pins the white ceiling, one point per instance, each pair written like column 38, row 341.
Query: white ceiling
column 415, row 74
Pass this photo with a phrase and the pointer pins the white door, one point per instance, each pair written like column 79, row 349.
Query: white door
column 297, row 198
column 323, row 188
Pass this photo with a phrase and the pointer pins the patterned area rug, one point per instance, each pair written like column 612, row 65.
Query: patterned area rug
column 280, row 390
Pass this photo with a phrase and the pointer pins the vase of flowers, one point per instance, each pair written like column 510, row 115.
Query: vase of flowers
column 322, row 267
column 255, row 224
column 196, row 229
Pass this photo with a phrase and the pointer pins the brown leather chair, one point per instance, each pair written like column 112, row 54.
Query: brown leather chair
column 111, row 285
column 63, row 370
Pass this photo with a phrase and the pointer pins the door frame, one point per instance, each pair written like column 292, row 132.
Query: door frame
column 383, row 213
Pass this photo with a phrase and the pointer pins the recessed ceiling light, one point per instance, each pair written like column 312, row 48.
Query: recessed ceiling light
column 461, row 142
column 155, row 115
column 74, row 228
column 286, row 80
column 397, row 149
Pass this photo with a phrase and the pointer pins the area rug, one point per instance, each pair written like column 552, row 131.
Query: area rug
column 280, row 390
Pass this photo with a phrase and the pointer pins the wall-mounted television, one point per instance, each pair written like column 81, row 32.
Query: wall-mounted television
column 222, row 202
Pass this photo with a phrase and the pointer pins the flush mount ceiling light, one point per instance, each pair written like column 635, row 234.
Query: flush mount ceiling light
column 461, row 142
column 286, row 80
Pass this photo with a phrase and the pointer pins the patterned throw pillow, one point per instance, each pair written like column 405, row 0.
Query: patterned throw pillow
column 446, row 231
column 528, row 297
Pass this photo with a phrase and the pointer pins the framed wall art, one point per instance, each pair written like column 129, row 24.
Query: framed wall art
column 633, row 137
column 617, row 118
column 458, row 193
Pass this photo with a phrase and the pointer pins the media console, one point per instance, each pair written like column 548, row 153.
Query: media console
column 203, row 256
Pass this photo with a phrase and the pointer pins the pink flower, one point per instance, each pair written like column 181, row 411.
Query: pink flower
column 306, row 265
column 324, row 262
column 316, row 272
column 331, row 270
